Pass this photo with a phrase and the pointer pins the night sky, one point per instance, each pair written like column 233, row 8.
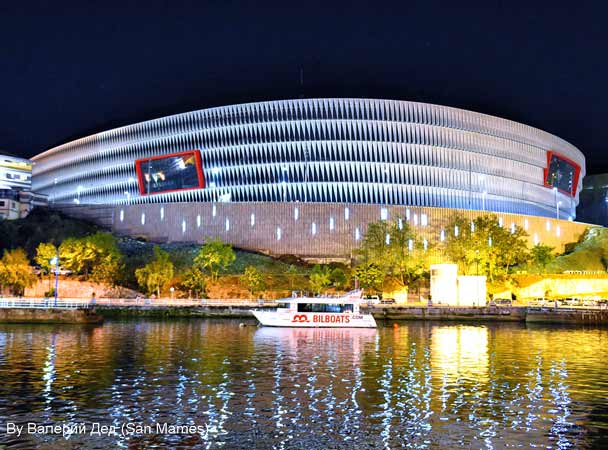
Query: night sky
column 69, row 69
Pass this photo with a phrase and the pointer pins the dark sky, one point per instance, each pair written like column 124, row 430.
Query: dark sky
column 68, row 69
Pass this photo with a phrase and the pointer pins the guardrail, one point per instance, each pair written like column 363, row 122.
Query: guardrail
column 43, row 303
column 18, row 302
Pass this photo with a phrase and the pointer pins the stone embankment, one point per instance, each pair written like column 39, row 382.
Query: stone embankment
column 579, row 316
column 50, row 315
column 439, row 313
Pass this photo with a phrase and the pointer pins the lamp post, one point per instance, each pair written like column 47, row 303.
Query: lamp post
column 55, row 262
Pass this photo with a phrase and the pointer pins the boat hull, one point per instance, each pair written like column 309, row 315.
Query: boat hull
column 314, row 320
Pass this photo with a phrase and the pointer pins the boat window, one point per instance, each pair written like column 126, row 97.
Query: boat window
column 323, row 307
column 283, row 305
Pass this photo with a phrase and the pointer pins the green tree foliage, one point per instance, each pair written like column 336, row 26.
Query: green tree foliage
column 214, row 257
column 394, row 249
column 254, row 280
column 320, row 278
column 291, row 272
column 338, row 278
column 45, row 252
column 95, row 256
column 194, row 280
column 485, row 247
column 15, row 271
column 540, row 256
column 370, row 276
column 155, row 275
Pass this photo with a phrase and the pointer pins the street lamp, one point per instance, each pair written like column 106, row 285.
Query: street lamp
column 55, row 262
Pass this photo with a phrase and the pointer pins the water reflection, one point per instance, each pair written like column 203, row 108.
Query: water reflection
column 418, row 385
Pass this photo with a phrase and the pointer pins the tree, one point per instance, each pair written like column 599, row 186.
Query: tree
column 541, row 255
column 194, row 280
column 214, row 257
column 370, row 276
column 254, row 280
column 320, row 278
column 155, row 275
column 15, row 271
column 395, row 250
column 45, row 252
column 483, row 247
column 96, row 256
column 291, row 272
column 338, row 278
column 74, row 256
column 107, row 263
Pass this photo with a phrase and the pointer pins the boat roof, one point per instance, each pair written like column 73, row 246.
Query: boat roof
column 332, row 301
column 350, row 297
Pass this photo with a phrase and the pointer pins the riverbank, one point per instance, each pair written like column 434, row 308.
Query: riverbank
column 50, row 315
column 392, row 313
column 83, row 314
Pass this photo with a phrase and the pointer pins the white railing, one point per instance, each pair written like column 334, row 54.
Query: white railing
column 43, row 303
column 17, row 302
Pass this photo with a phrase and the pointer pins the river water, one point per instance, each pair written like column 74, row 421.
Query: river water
column 419, row 385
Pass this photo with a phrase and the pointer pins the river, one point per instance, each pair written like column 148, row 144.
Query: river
column 211, row 384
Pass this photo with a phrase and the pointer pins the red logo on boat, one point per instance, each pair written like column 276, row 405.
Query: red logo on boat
column 300, row 318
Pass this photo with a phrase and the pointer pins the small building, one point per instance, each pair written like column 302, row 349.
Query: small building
column 16, row 197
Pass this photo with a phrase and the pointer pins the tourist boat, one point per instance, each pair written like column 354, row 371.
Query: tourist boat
column 317, row 312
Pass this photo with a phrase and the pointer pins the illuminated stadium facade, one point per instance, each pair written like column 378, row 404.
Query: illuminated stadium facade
column 332, row 158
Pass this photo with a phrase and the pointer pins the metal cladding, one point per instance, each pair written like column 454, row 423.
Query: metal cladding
column 324, row 151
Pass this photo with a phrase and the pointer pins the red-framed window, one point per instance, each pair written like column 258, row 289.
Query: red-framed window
column 170, row 173
column 561, row 173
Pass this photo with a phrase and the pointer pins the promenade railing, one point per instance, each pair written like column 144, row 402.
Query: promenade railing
column 21, row 302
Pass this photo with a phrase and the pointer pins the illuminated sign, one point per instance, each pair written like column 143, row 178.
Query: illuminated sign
column 169, row 173
column 561, row 173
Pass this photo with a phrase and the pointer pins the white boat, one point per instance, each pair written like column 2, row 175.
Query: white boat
column 318, row 312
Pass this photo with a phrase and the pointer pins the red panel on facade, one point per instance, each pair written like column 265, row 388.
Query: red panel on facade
column 145, row 182
column 577, row 172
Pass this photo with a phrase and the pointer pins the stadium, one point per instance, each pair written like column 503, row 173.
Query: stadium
column 307, row 176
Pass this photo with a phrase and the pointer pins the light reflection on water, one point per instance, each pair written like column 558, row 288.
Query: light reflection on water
column 419, row 385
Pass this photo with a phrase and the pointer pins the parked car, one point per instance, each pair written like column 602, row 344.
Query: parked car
column 538, row 302
column 573, row 301
column 387, row 301
column 372, row 299
column 501, row 302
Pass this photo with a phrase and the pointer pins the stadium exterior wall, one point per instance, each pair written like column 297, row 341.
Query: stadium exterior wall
column 350, row 151
column 309, row 230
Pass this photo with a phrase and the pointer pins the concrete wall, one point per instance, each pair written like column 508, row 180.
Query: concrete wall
column 305, row 229
column 78, row 289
